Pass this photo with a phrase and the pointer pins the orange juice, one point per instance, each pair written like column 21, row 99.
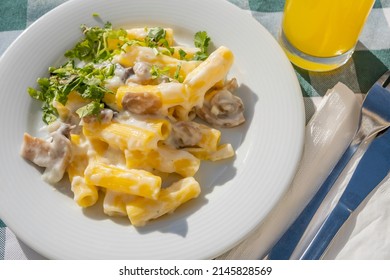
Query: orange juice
column 324, row 28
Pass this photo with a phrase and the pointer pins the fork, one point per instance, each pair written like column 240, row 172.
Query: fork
column 374, row 118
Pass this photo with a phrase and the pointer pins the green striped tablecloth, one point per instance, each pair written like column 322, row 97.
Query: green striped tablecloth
column 370, row 60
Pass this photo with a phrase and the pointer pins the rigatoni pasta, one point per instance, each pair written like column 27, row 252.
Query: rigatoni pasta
column 124, row 115
column 141, row 210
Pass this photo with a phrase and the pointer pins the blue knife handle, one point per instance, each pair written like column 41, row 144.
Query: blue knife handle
column 327, row 232
column 284, row 248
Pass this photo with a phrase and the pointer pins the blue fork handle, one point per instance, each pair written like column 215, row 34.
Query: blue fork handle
column 326, row 233
column 284, row 248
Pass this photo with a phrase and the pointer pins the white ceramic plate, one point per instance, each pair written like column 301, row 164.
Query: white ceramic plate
column 236, row 194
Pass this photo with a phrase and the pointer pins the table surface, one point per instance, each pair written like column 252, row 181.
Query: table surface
column 369, row 61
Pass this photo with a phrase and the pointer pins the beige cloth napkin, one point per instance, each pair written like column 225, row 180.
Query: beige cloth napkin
column 328, row 134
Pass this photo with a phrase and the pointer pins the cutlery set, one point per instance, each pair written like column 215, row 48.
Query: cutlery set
column 373, row 139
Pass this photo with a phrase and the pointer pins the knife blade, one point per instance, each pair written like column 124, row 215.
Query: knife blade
column 370, row 171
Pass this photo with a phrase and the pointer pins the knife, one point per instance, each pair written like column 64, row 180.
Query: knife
column 370, row 171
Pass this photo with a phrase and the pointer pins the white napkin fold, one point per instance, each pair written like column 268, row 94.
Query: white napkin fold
column 328, row 134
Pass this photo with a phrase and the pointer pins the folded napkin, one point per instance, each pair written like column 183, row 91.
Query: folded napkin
column 328, row 134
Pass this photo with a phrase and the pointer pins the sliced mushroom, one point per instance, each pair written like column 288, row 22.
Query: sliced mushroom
column 141, row 103
column 222, row 109
column 54, row 154
column 186, row 134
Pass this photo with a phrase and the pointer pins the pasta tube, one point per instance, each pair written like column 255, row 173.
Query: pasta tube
column 142, row 210
column 208, row 73
column 222, row 152
column 209, row 139
column 114, row 203
column 170, row 95
column 130, row 181
column 85, row 194
column 164, row 159
column 129, row 136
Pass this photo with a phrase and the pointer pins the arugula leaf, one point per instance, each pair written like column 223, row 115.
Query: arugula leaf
column 201, row 41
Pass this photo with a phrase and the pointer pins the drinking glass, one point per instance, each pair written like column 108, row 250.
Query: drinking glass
column 321, row 35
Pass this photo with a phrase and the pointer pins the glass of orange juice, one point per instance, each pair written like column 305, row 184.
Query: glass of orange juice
column 320, row 35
